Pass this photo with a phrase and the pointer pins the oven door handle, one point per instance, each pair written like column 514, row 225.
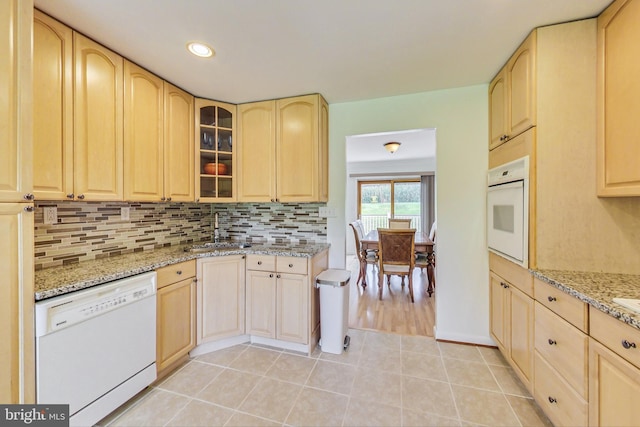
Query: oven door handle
column 506, row 186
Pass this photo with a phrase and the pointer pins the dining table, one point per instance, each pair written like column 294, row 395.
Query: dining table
column 422, row 243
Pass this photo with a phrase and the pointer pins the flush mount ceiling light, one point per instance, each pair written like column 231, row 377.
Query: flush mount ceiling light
column 392, row 146
column 200, row 49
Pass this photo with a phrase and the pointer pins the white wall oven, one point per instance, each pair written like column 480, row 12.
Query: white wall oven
column 508, row 211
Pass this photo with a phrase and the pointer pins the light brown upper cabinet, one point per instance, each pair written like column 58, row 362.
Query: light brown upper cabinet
column 618, row 100
column 289, row 137
column 512, row 95
column 52, row 108
column 216, row 151
column 178, row 145
column 15, row 102
column 143, row 135
column 257, row 151
column 98, row 101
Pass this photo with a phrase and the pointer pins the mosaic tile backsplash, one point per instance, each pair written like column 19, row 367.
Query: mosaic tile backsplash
column 94, row 230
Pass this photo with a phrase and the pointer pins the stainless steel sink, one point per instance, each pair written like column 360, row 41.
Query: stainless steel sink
column 210, row 247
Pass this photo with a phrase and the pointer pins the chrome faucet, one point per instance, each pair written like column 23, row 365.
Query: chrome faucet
column 216, row 230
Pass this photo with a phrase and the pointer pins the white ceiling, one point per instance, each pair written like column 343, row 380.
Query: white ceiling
column 415, row 144
column 345, row 49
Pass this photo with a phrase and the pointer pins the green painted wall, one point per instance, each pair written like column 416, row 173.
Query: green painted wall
column 460, row 117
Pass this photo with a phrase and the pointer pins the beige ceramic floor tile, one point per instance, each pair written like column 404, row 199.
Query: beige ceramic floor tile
column 223, row 357
column 528, row 412
column 420, row 419
column 381, row 359
column 109, row 419
column 460, row 351
column 428, row 396
column 154, row 409
column 378, row 386
column 423, row 366
column 371, row 413
column 483, row 407
column 470, row 374
column 318, row 408
column 351, row 355
column 240, row 419
column 271, row 399
column 381, row 340
column 291, row 368
column 255, row 360
column 419, row 344
column 508, row 381
column 229, row 388
column 197, row 414
column 330, row 376
column 191, row 379
column 493, row 356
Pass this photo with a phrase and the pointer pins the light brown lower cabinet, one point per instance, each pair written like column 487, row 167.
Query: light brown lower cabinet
column 512, row 318
column 614, row 371
column 221, row 297
column 176, row 314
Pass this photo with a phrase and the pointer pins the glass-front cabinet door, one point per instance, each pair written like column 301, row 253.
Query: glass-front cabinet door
column 215, row 151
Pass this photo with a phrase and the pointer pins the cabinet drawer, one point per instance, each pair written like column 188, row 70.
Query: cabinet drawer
column 290, row 264
column 512, row 273
column 564, row 347
column 261, row 262
column 176, row 272
column 558, row 400
column 618, row 336
column 564, row 305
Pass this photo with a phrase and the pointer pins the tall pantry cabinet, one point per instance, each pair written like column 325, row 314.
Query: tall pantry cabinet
column 17, row 369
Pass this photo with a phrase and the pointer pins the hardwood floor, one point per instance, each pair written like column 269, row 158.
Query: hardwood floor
column 395, row 313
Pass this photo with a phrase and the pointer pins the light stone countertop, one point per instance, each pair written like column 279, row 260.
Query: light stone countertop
column 51, row 282
column 597, row 290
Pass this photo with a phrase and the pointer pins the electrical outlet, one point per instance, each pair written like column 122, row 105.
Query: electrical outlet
column 124, row 213
column 327, row 212
column 51, row 215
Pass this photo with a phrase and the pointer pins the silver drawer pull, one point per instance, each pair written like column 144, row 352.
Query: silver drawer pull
column 290, row 265
column 552, row 299
column 627, row 344
column 552, row 399
column 179, row 272
column 552, row 342
column 271, row 275
column 259, row 262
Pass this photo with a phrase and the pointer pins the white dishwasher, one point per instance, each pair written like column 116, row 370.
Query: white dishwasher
column 96, row 348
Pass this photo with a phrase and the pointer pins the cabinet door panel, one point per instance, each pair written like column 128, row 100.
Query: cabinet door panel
column 521, row 333
column 16, row 23
column 256, row 154
column 16, row 304
column 178, row 145
column 97, row 121
column 221, row 298
column 52, row 108
column 143, row 135
column 522, row 87
column 176, row 327
column 297, row 149
column 498, row 319
column 261, row 303
column 293, row 312
column 498, row 109
column 618, row 100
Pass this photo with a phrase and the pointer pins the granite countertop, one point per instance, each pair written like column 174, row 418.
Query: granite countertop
column 51, row 282
column 597, row 290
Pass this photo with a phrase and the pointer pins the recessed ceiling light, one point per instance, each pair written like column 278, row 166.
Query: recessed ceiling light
column 200, row 49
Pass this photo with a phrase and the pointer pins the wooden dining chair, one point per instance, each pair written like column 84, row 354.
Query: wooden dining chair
column 399, row 222
column 396, row 256
column 370, row 257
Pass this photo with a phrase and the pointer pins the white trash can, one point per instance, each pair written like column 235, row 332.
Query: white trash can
column 334, row 309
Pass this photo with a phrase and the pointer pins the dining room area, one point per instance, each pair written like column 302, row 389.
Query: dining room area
column 394, row 295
